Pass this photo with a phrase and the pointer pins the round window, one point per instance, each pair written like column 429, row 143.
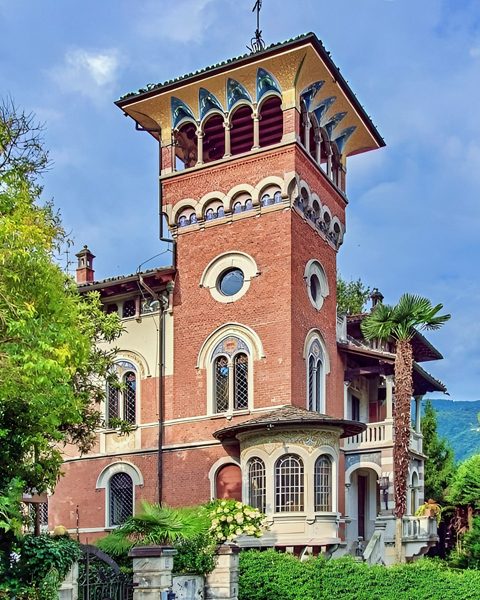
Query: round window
column 230, row 282
column 314, row 287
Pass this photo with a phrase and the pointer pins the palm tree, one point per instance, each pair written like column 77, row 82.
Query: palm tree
column 156, row 525
column 399, row 323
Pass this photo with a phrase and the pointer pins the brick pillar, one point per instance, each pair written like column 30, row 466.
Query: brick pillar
column 152, row 571
column 222, row 582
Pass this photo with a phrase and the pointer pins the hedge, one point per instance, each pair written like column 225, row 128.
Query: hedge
column 271, row 575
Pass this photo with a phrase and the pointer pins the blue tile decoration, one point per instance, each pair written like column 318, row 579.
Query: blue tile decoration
column 266, row 82
column 180, row 111
column 235, row 92
column 330, row 123
column 207, row 101
column 310, row 92
column 322, row 108
column 342, row 138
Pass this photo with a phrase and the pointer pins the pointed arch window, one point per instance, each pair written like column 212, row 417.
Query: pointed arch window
column 121, row 398
column 120, row 498
column 315, row 378
column 323, row 484
column 231, row 375
column 256, row 484
column 289, row 484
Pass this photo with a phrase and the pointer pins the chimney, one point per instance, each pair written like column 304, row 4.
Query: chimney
column 85, row 272
column 376, row 297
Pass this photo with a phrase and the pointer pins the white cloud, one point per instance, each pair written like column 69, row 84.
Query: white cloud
column 87, row 73
column 185, row 21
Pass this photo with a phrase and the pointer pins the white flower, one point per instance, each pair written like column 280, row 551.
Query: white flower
column 229, row 519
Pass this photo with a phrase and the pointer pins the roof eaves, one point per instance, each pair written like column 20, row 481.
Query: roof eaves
column 152, row 89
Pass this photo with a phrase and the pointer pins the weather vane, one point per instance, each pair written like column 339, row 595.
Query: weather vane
column 256, row 43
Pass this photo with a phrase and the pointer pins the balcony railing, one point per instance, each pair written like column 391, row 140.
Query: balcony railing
column 419, row 527
column 380, row 434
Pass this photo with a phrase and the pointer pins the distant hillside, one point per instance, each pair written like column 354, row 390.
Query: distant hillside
column 458, row 422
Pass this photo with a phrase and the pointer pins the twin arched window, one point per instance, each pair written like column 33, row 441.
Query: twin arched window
column 290, row 484
column 230, row 376
column 122, row 399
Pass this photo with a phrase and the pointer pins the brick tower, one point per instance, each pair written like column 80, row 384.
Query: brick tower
column 253, row 156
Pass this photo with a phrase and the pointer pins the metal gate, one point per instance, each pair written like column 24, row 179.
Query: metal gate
column 100, row 578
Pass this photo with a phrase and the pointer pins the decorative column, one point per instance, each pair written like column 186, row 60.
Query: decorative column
column 199, row 147
column 152, row 571
column 69, row 588
column 389, row 396
column 256, row 130
column 222, row 582
column 318, row 147
column 228, row 149
column 346, row 385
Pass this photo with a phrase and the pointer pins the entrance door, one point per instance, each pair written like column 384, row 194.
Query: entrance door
column 362, row 504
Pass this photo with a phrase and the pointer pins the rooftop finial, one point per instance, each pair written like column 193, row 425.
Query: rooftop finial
column 257, row 43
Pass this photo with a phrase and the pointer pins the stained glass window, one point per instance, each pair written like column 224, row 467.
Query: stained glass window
column 256, row 484
column 289, row 484
column 323, row 484
column 120, row 498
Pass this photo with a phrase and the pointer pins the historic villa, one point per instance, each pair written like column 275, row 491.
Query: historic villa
column 240, row 380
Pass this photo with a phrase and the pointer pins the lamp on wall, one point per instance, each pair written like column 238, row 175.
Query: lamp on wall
column 384, row 484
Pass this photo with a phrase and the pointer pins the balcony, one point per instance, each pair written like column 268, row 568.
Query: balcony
column 378, row 435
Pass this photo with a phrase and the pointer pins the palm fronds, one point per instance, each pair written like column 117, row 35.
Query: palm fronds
column 156, row 525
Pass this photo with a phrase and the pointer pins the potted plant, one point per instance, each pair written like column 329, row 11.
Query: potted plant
column 430, row 509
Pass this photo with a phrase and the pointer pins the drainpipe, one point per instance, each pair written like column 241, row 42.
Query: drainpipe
column 164, row 305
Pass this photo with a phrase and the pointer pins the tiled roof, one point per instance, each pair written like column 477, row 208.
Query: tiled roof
column 84, row 287
column 288, row 416
column 157, row 86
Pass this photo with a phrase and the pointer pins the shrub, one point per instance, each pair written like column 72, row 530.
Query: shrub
column 468, row 553
column 270, row 574
column 35, row 572
column 196, row 556
column 230, row 519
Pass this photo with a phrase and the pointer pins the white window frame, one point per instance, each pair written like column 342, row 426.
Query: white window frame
column 124, row 366
column 103, row 482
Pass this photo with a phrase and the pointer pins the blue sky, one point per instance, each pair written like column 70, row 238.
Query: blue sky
column 414, row 215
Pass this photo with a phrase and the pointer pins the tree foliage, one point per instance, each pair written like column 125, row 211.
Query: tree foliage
column 464, row 488
column 440, row 464
column 52, row 364
column 351, row 296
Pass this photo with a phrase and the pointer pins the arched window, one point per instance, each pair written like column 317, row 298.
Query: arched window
column 277, row 197
column 323, row 484
column 271, row 122
column 315, row 378
column 256, row 484
column 241, row 130
column 121, row 399
column 289, row 484
column 231, row 375
column 120, row 498
column 213, row 138
column 237, row 207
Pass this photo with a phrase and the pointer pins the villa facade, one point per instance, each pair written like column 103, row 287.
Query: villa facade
column 238, row 378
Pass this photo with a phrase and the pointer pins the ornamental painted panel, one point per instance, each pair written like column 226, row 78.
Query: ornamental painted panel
column 180, row 111
column 230, row 345
column 321, row 110
column 207, row 101
column 266, row 82
column 310, row 92
column 359, row 459
column 309, row 439
column 236, row 92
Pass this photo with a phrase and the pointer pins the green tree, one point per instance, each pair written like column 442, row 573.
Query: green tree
column 351, row 296
column 464, row 488
column 440, row 463
column 52, row 363
column 398, row 323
